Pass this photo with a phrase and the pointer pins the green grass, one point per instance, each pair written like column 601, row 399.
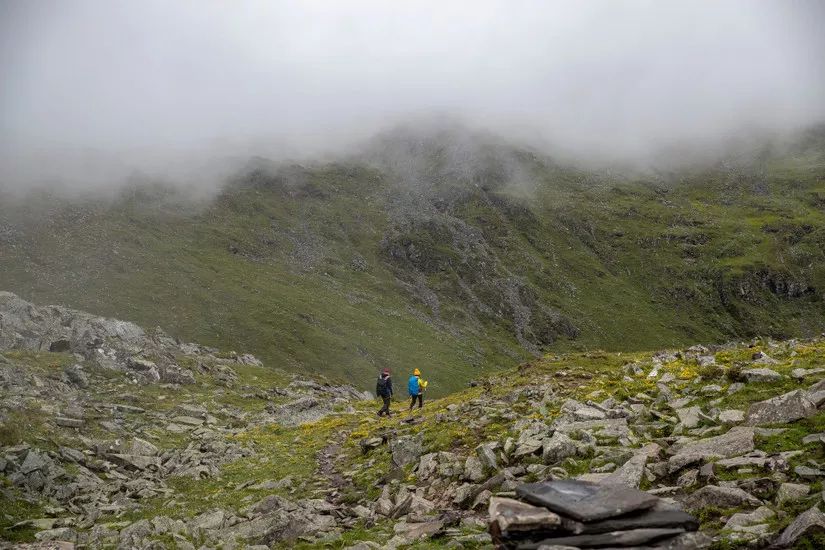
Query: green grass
column 15, row 510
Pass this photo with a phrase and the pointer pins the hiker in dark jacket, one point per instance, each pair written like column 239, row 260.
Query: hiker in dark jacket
column 383, row 389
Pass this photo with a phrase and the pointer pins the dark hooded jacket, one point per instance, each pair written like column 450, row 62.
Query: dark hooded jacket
column 383, row 387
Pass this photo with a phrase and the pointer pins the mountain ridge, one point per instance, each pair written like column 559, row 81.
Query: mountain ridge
column 457, row 254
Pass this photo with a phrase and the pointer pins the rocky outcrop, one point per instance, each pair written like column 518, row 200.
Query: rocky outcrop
column 555, row 454
column 118, row 452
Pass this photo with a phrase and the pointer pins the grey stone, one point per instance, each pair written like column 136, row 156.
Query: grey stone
column 762, row 358
column 188, row 421
column 76, row 376
column 428, row 465
column 661, row 515
column 134, row 534
column 585, row 501
column 128, row 408
column 721, row 497
column 588, row 413
column 361, row 545
column 802, row 373
column 791, row 492
column 72, row 454
column 256, row 529
column 610, row 427
column 631, row 538
column 267, row 505
column 742, row 519
column 415, row 531
column 689, row 416
column 735, row 387
column 176, row 428
column 34, row 461
column 405, row 450
column 58, row 534
column 735, row 442
column 688, row 478
column 508, row 515
column 384, row 506
column 420, row 506
column 817, row 397
column 68, row 422
column 557, row 448
column 808, row 472
column 527, row 446
column 631, row 472
column 487, row 456
column 134, row 462
column 473, row 470
column 686, row 541
column 26, row 326
column 142, row 447
column 732, row 416
column 782, row 409
column 809, row 522
column 760, row 375
column 209, row 520
column 756, row 458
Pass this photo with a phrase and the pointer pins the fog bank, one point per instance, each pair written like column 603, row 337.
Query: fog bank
column 96, row 91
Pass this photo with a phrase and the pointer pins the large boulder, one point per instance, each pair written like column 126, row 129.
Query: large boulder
column 782, row 409
column 735, row 442
column 760, row 375
column 721, row 497
column 405, row 450
column 807, row 523
column 558, row 447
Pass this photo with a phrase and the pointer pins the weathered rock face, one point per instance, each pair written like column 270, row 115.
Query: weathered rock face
column 55, row 328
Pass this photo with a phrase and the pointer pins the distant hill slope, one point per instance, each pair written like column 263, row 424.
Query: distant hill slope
column 455, row 255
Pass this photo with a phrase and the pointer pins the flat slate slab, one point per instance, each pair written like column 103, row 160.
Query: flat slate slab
column 660, row 516
column 585, row 501
column 621, row 539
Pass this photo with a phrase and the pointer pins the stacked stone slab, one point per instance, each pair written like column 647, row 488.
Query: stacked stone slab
column 580, row 514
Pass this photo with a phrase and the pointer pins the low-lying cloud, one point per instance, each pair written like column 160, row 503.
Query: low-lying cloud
column 93, row 91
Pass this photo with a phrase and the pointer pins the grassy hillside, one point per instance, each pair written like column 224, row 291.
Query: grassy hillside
column 456, row 258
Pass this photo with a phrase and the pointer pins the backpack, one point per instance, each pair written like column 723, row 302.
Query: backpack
column 381, row 387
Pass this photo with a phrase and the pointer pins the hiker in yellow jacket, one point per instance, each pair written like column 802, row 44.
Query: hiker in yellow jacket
column 416, row 387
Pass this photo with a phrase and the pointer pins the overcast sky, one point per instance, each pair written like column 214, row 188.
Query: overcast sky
column 147, row 78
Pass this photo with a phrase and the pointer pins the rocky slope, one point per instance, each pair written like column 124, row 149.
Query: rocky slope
column 120, row 437
column 449, row 249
